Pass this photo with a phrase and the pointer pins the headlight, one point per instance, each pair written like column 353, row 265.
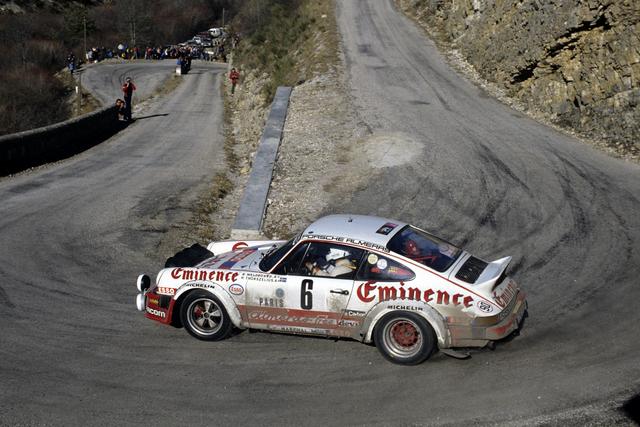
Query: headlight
column 140, row 302
column 143, row 283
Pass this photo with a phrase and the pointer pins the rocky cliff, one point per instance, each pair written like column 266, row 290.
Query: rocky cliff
column 575, row 61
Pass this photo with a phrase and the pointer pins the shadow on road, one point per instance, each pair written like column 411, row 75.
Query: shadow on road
column 153, row 115
column 631, row 408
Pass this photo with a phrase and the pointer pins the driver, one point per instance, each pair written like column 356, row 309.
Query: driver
column 331, row 265
column 413, row 251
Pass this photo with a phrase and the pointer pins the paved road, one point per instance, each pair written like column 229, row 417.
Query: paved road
column 74, row 236
column 105, row 79
column 489, row 178
column 74, row 351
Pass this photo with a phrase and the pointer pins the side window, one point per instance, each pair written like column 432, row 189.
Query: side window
column 331, row 260
column 292, row 264
column 383, row 269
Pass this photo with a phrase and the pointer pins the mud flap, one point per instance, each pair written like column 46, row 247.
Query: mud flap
column 455, row 354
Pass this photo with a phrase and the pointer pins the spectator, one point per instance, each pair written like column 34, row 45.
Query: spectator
column 120, row 108
column 127, row 89
column 234, row 75
column 71, row 62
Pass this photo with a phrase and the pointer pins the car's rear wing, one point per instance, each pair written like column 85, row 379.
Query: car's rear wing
column 493, row 274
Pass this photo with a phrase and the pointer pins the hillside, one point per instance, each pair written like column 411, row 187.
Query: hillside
column 573, row 62
column 38, row 36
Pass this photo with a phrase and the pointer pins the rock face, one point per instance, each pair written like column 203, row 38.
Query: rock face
column 575, row 61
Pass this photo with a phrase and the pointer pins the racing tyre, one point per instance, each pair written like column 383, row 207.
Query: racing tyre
column 405, row 338
column 204, row 317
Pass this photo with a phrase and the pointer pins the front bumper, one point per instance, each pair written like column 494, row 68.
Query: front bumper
column 155, row 307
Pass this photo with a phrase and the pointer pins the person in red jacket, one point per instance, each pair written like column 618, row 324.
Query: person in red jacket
column 127, row 88
column 234, row 75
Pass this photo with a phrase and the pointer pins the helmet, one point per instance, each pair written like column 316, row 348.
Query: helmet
column 411, row 248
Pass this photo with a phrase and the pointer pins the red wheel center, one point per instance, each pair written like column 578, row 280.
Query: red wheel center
column 405, row 334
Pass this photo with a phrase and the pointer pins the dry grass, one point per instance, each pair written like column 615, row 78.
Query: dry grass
column 292, row 45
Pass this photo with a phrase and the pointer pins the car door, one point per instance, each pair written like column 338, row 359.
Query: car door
column 314, row 293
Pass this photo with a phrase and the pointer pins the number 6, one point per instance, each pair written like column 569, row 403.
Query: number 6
column 306, row 297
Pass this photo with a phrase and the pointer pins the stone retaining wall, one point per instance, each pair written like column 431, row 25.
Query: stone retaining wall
column 20, row 151
column 575, row 61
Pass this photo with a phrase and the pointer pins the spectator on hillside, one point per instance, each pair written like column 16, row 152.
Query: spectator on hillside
column 127, row 89
column 71, row 62
column 234, row 75
column 222, row 53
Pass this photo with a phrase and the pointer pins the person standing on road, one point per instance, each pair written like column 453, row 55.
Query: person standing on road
column 234, row 75
column 127, row 88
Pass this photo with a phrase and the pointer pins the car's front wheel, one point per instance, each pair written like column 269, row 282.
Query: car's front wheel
column 204, row 317
column 405, row 338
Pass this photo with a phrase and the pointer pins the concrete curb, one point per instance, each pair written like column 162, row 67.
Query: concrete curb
column 248, row 222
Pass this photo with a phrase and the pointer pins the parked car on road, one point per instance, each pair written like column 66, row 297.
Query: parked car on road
column 367, row 278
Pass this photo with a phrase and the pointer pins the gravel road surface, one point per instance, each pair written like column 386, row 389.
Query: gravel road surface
column 442, row 154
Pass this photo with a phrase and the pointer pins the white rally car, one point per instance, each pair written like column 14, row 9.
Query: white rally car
column 362, row 277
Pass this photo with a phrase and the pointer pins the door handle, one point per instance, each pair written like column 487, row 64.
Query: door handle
column 339, row 291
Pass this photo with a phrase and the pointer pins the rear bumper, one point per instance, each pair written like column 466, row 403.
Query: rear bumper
column 511, row 321
column 482, row 330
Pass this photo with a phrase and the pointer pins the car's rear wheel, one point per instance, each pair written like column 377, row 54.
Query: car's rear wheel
column 404, row 338
column 204, row 317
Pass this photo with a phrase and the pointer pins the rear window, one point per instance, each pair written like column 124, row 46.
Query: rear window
column 424, row 248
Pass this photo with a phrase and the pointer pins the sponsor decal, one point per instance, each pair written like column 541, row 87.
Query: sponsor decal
column 323, row 237
column 156, row 312
column 257, row 277
column 387, row 228
column 356, row 242
column 483, row 306
column 280, row 293
column 271, row 302
column 353, row 313
column 166, row 291
column 367, row 244
column 239, row 245
column 507, row 294
column 368, row 291
column 236, row 289
column 323, row 322
column 404, row 307
column 198, row 274
column 154, row 301
column 348, row 323
column 211, row 262
column 372, row 258
column 197, row 285
column 319, row 319
column 236, row 258
column 382, row 264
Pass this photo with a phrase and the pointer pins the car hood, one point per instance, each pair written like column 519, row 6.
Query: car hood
column 243, row 258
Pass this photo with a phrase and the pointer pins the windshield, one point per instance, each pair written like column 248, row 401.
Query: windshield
column 274, row 255
column 424, row 248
